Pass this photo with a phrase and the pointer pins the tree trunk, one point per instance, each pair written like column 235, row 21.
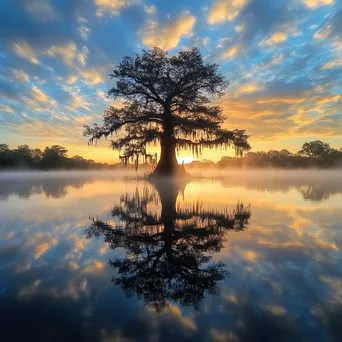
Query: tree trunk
column 168, row 164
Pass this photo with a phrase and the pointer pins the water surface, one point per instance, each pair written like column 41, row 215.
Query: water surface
column 252, row 256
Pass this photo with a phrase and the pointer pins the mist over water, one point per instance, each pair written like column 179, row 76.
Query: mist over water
column 234, row 255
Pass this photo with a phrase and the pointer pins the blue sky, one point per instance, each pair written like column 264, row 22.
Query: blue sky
column 282, row 57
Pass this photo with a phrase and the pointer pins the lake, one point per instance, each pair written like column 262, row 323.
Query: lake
column 239, row 256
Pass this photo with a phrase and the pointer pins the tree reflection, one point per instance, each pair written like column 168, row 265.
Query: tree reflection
column 168, row 253
column 314, row 186
column 48, row 186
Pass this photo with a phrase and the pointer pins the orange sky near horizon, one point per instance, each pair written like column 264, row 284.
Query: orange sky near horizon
column 283, row 60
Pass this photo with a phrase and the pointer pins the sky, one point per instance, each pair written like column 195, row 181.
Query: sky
column 283, row 59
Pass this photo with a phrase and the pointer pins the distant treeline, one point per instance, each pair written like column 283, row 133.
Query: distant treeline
column 315, row 154
column 54, row 157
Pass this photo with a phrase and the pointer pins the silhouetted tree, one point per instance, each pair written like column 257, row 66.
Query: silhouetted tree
column 168, row 254
column 167, row 102
column 316, row 149
column 313, row 154
column 37, row 155
column 5, row 156
column 23, row 156
column 54, row 156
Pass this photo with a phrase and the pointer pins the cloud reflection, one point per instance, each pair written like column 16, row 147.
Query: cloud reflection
column 285, row 274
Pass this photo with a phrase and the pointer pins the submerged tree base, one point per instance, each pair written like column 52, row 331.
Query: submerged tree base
column 177, row 171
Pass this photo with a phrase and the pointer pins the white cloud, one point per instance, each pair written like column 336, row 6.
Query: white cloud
column 38, row 101
column 24, row 50
column 276, row 60
column 239, row 28
column 221, row 42
column 112, row 7
column 232, row 52
column 41, row 9
column 76, row 100
column 317, row 3
column 101, row 94
column 83, row 55
column 72, row 79
column 323, row 33
column 250, row 88
column 68, row 52
column 91, row 76
column 20, row 75
column 84, row 32
column 337, row 63
column 168, row 35
column 206, row 41
column 6, row 109
column 276, row 38
column 225, row 10
column 150, row 9
column 39, row 95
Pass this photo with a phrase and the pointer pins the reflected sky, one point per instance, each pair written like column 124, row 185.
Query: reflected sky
column 282, row 277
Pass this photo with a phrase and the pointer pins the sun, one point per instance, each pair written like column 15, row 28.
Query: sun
column 185, row 159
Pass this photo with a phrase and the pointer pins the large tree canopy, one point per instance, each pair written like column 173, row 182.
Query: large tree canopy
column 167, row 101
column 317, row 149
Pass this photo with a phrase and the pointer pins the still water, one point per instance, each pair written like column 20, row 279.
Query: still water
column 252, row 256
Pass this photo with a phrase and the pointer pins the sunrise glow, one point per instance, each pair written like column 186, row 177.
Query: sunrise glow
column 185, row 159
column 283, row 66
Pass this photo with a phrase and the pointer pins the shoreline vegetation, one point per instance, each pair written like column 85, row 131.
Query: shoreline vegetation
column 315, row 154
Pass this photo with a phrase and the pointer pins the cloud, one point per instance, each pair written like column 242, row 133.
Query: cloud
column 239, row 28
column 72, row 79
column 269, row 19
column 43, row 247
column 84, row 32
column 276, row 310
column 77, row 101
column 187, row 322
column 205, row 41
column 91, row 76
column 223, row 336
column 291, row 109
column 112, row 7
column 101, row 94
column 53, row 72
column 318, row 3
column 337, row 63
column 39, row 95
column 250, row 88
column 231, row 52
column 20, row 75
column 38, row 101
column 6, row 109
column 68, row 52
column 83, row 29
column 168, row 35
column 41, row 9
column 225, row 10
column 24, row 50
column 94, row 266
column 323, row 33
column 150, row 9
column 83, row 55
column 329, row 99
column 275, row 38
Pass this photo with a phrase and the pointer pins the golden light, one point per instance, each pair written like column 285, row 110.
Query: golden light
column 185, row 159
